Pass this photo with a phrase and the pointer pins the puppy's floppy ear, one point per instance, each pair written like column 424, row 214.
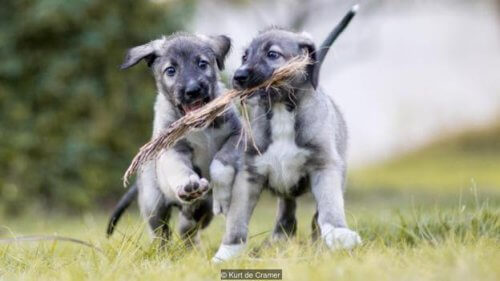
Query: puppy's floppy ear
column 307, row 45
column 134, row 55
column 221, row 44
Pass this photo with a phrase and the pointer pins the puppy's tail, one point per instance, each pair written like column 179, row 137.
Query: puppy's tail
column 325, row 46
column 122, row 205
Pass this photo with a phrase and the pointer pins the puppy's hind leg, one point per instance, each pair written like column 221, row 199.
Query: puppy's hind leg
column 286, row 223
column 193, row 218
column 156, row 212
column 153, row 205
column 327, row 190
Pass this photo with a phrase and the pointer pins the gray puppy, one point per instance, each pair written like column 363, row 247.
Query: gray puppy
column 300, row 144
column 186, row 69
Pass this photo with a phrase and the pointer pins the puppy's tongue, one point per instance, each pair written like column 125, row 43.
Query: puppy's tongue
column 193, row 106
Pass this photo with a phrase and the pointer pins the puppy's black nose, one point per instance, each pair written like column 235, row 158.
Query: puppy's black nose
column 241, row 76
column 193, row 89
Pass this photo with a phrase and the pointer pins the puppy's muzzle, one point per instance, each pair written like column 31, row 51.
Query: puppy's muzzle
column 195, row 96
column 241, row 78
column 248, row 77
column 194, row 91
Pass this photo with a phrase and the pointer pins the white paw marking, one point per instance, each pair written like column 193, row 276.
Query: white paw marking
column 227, row 252
column 341, row 238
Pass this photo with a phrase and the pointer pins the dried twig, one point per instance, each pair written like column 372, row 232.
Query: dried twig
column 205, row 115
column 29, row 238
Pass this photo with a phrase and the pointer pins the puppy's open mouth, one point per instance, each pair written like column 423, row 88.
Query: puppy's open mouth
column 194, row 105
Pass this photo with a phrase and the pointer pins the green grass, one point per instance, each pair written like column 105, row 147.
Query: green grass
column 429, row 215
column 450, row 164
column 407, row 239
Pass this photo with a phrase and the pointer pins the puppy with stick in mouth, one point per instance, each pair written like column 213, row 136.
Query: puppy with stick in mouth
column 186, row 70
column 300, row 141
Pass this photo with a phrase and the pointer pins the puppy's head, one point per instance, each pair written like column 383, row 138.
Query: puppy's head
column 185, row 67
column 267, row 52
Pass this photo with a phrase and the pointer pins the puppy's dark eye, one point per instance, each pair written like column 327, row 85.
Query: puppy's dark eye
column 244, row 58
column 170, row 71
column 203, row 64
column 273, row 55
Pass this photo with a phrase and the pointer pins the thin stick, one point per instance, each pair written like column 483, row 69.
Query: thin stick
column 246, row 116
column 31, row 238
column 205, row 115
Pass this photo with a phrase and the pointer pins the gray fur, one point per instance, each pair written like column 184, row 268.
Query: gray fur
column 183, row 175
column 301, row 141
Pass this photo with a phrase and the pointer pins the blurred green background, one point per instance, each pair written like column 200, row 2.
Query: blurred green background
column 70, row 120
column 417, row 82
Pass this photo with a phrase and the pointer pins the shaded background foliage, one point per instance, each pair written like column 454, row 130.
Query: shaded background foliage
column 70, row 121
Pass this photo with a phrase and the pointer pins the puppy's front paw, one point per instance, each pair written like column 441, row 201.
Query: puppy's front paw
column 220, row 207
column 193, row 189
column 221, row 200
column 341, row 238
column 228, row 252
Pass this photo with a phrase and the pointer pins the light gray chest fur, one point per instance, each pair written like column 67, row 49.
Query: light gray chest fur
column 283, row 161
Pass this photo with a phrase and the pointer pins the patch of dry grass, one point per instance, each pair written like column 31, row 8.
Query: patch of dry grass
column 402, row 241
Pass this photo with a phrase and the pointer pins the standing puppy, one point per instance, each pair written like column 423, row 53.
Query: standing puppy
column 300, row 144
column 186, row 69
